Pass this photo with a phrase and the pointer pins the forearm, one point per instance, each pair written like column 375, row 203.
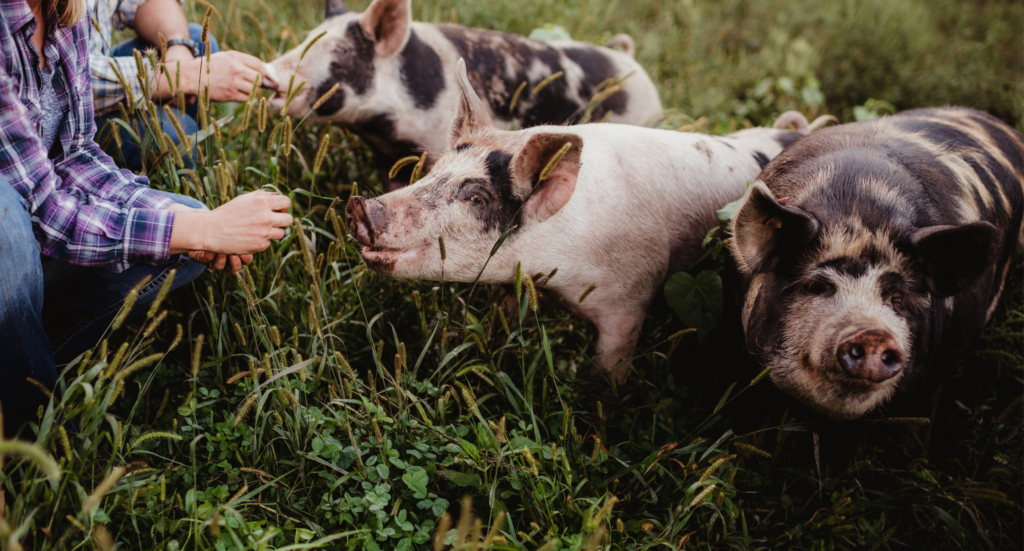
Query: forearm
column 188, row 233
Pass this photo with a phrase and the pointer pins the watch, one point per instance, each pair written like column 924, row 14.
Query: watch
column 197, row 48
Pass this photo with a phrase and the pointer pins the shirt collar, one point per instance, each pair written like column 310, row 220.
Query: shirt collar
column 17, row 14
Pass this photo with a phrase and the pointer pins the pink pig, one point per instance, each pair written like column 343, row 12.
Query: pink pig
column 624, row 208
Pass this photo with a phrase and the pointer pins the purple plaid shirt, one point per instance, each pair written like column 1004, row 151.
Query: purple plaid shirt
column 84, row 209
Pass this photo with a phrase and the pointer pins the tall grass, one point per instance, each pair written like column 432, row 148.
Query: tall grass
column 309, row 403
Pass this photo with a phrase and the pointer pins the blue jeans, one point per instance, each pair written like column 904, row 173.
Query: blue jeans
column 51, row 312
column 130, row 154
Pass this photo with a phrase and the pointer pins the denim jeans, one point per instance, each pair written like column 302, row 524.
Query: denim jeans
column 130, row 154
column 52, row 311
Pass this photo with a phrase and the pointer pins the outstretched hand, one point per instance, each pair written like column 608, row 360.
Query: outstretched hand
column 228, row 236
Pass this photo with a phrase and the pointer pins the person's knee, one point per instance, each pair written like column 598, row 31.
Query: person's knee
column 196, row 32
column 21, row 272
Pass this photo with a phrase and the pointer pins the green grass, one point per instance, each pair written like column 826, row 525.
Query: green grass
column 447, row 397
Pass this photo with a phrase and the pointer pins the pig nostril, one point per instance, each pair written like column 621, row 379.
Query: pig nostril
column 856, row 352
column 890, row 357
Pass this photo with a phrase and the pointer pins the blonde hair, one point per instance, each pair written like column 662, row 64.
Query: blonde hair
column 67, row 12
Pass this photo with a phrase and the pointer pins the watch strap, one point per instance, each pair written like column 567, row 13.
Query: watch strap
column 197, row 49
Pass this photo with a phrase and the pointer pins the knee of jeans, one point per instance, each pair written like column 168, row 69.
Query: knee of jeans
column 196, row 32
column 188, row 273
column 21, row 270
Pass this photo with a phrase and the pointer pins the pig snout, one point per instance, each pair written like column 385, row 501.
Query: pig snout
column 365, row 219
column 871, row 354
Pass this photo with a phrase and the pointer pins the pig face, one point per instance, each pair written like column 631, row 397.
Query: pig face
column 840, row 297
column 489, row 182
column 350, row 55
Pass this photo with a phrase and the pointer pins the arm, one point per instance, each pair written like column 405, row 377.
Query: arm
column 120, row 225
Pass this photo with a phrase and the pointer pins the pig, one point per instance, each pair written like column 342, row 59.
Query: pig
column 397, row 85
column 873, row 253
column 624, row 208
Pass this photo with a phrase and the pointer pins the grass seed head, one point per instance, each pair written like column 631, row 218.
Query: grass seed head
column 327, row 95
column 531, row 292
column 244, row 409
column 177, row 338
column 97, row 494
column 154, row 324
column 137, row 365
column 239, row 334
column 761, row 376
column 586, row 293
column 321, row 153
column 261, row 121
column 703, row 494
column 197, row 354
column 554, row 162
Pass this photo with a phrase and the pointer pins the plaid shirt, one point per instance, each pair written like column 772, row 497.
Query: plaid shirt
column 106, row 89
column 84, row 209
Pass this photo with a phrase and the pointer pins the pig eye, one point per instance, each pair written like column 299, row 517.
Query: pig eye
column 820, row 287
column 896, row 300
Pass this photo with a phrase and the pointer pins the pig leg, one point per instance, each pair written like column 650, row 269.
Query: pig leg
column 618, row 333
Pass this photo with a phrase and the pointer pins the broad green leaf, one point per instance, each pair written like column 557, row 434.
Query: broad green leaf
column 696, row 300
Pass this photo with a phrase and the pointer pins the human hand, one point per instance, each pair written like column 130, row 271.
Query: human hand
column 246, row 224
column 230, row 78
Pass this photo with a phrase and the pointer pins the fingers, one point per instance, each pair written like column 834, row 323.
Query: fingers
column 251, row 62
column 202, row 257
column 276, row 233
column 280, row 220
column 236, row 264
column 246, row 259
column 280, row 203
column 220, row 262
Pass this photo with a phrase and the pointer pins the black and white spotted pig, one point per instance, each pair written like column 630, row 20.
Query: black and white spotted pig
column 397, row 85
column 873, row 253
column 624, row 208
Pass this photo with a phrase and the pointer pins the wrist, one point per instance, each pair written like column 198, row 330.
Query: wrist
column 178, row 52
column 190, row 231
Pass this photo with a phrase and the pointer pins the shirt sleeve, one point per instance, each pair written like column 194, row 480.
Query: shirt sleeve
column 84, row 210
column 106, row 88
column 124, row 16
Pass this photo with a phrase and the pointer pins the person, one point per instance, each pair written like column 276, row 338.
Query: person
column 76, row 232
column 230, row 78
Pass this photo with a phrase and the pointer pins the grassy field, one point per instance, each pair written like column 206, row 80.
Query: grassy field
column 310, row 403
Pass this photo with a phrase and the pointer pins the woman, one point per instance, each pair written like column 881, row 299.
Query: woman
column 76, row 233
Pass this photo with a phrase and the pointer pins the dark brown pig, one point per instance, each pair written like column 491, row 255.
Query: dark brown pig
column 873, row 254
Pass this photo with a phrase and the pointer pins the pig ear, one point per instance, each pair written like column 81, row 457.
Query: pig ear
column 952, row 257
column 553, row 179
column 386, row 23
column 470, row 114
column 333, row 8
column 764, row 230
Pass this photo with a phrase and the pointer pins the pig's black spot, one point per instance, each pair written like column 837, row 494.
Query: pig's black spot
column 597, row 68
column 761, row 159
column 352, row 65
column 422, row 73
column 502, row 207
column 378, row 132
column 785, row 139
column 486, row 53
